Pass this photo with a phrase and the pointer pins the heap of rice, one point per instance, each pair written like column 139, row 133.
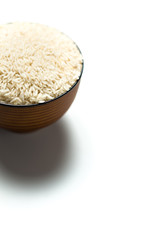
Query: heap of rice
column 37, row 63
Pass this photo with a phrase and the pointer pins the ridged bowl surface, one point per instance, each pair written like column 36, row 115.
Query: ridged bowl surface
column 32, row 117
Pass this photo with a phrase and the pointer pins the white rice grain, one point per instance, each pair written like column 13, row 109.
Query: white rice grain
column 37, row 63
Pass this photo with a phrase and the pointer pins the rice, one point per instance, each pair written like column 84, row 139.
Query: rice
column 37, row 63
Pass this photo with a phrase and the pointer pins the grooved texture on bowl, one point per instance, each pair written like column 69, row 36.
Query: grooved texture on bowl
column 30, row 118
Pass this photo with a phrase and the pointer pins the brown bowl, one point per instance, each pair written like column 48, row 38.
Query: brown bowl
column 27, row 118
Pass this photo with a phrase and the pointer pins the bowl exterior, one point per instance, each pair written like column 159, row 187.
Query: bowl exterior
column 30, row 118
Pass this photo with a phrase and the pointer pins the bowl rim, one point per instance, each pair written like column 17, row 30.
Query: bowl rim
column 54, row 99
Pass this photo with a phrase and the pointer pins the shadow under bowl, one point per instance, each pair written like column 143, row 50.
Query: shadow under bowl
column 28, row 118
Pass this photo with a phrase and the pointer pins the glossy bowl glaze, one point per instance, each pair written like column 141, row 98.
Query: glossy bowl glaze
column 28, row 118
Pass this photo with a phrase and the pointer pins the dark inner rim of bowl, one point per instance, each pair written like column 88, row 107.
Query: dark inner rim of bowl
column 37, row 104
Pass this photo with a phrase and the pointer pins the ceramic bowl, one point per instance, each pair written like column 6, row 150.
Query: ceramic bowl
column 27, row 118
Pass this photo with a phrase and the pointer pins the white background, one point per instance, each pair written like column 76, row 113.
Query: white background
column 109, row 185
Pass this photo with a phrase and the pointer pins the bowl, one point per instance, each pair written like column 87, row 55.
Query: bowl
column 26, row 118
